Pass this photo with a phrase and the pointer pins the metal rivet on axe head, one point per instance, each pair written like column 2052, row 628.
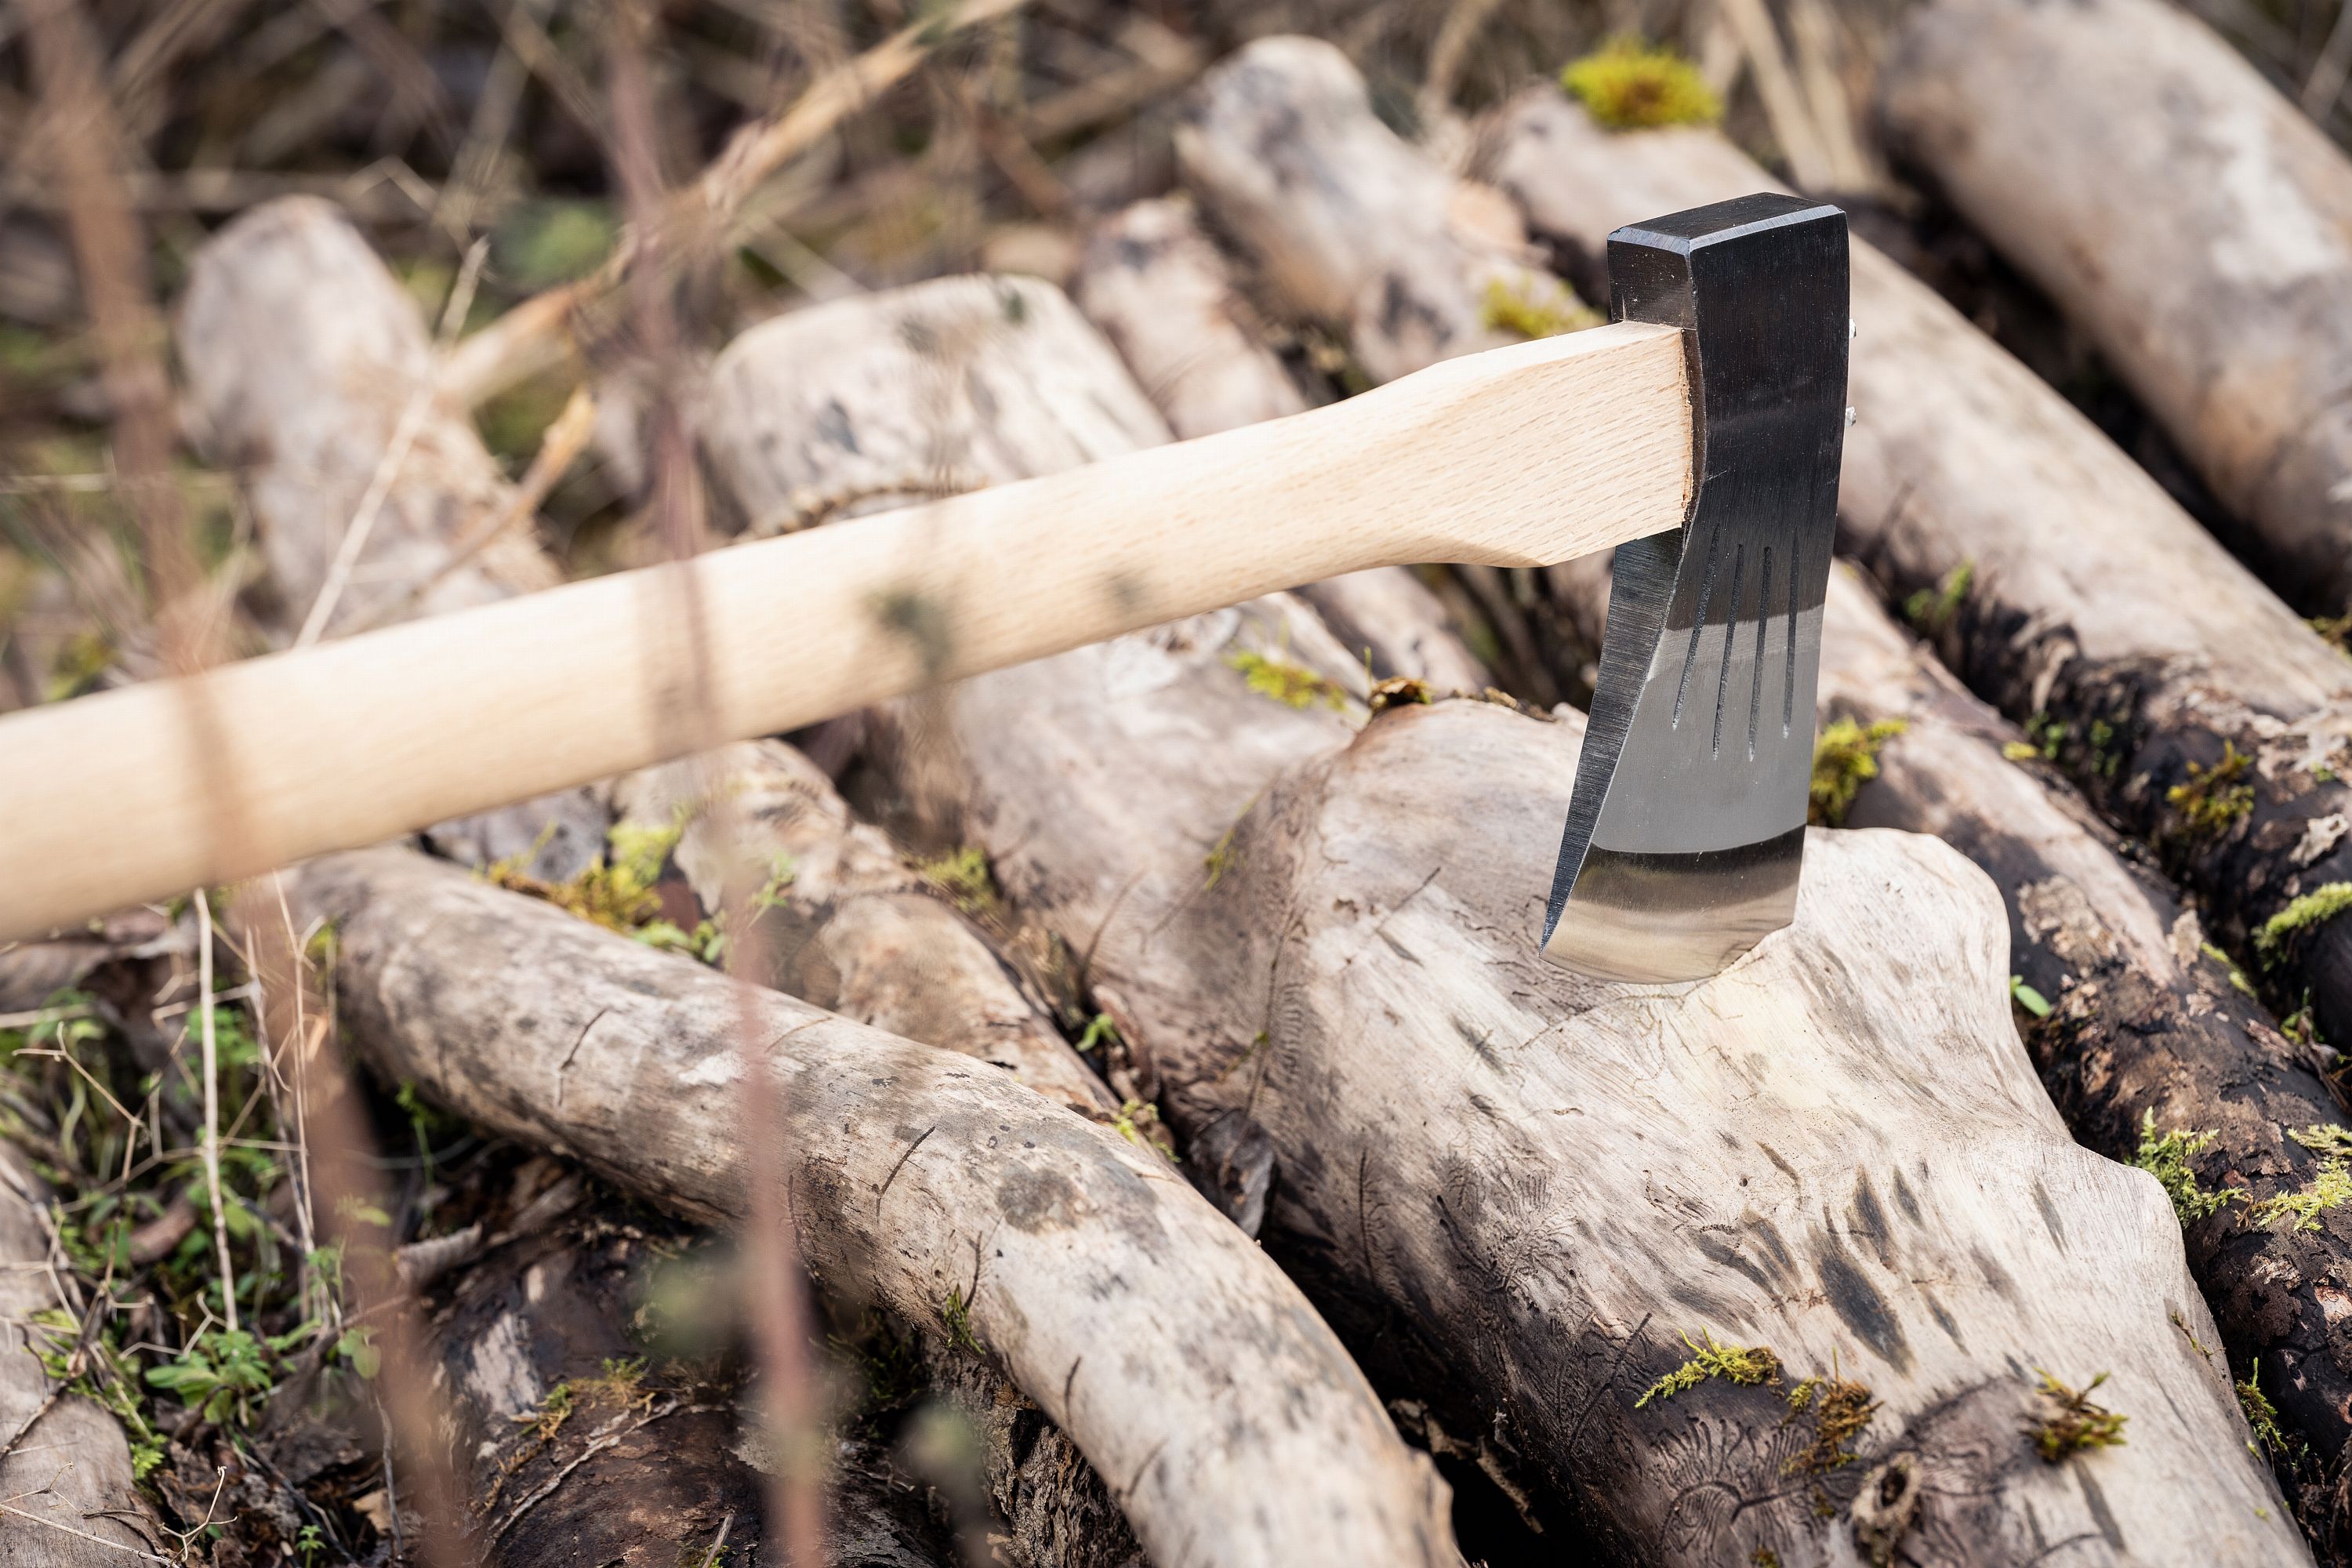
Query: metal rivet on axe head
column 1687, row 826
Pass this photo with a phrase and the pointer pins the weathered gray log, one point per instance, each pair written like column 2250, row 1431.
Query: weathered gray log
column 1516, row 1190
column 852, row 928
column 2144, row 1031
column 1229, row 1423
column 66, row 1496
column 2058, row 581
column 1409, row 281
column 1323, row 204
column 1163, row 296
column 2196, row 224
column 579, row 1452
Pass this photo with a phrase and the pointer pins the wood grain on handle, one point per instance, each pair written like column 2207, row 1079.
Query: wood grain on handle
column 1520, row 457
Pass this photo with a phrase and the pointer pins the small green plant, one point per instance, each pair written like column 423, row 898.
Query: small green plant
column 2328, row 1187
column 1099, row 1030
column 1534, row 305
column 955, row 1316
column 1838, row 1408
column 2238, row 980
column 2261, row 1416
column 1292, row 685
column 2075, row 1422
column 2166, row 1156
column 2314, row 908
column 617, row 892
column 223, row 1375
column 1746, row 1364
column 2322, row 1139
column 1933, row 609
column 2019, row 751
column 1139, row 1123
column 964, row 876
column 1845, row 758
column 2027, row 998
column 307, row 1543
column 1627, row 86
column 2213, row 798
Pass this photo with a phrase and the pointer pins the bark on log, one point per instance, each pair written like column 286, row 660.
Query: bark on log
column 2057, row 578
column 2196, row 224
column 66, row 1496
column 1160, row 292
column 1516, row 1189
column 1228, row 1422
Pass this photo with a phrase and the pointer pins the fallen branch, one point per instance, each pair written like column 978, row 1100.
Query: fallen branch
column 2191, row 219
column 1074, row 1240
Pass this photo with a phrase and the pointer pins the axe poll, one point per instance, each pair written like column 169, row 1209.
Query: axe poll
column 1700, row 431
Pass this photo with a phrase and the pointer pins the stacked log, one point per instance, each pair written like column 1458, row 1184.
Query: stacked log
column 2151, row 1031
column 853, row 927
column 2193, row 222
column 1516, row 1192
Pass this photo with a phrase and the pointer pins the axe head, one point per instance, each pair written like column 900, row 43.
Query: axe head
column 1686, row 827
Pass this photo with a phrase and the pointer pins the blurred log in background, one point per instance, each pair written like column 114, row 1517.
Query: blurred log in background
column 375, row 1213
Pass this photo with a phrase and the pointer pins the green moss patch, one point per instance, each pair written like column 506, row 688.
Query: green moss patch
column 2166, row 1156
column 1744, row 1365
column 1627, row 84
column 2314, row 908
column 1845, row 758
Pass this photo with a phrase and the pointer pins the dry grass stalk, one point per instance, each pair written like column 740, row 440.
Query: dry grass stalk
column 531, row 337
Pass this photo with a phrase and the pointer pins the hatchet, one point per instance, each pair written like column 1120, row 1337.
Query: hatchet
column 1700, row 432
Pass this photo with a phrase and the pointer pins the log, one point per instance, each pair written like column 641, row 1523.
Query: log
column 2193, row 222
column 857, row 935
column 583, row 1449
column 2144, row 1030
column 1325, row 204
column 1158, row 289
column 68, row 1498
column 2137, row 1028
column 1230, row 1426
column 1410, row 280
column 2058, row 581
column 1516, row 1191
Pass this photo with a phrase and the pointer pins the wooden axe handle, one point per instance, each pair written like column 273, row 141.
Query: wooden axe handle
column 1520, row 457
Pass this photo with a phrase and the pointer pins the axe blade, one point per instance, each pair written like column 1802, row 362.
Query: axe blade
column 1687, row 826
